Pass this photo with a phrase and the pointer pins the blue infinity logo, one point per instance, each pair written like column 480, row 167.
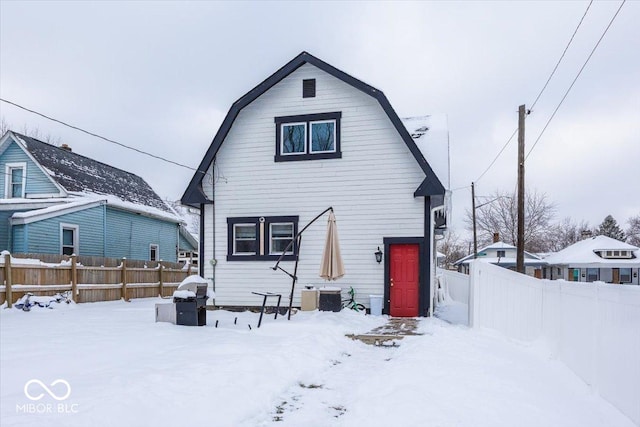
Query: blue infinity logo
column 47, row 389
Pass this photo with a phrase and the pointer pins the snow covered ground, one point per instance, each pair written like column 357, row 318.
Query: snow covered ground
column 120, row 368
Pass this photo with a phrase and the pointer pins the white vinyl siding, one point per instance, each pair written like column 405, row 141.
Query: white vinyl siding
column 370, row 188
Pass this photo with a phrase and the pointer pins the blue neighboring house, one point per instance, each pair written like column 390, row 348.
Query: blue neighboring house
column 55, row 201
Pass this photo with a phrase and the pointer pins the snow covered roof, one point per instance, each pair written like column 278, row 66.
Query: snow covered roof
column 431, row 134
column 499, row 245
column 73, row 204
column 77, row 173
column 529, row 258
column 584, row 252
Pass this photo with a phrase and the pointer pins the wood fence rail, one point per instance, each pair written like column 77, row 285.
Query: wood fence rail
column 88, row 283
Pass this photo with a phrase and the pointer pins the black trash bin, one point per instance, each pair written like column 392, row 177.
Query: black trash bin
column 191, row 310
column 330, row 299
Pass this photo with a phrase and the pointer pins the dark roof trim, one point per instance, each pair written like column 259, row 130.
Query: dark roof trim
column 192, row 195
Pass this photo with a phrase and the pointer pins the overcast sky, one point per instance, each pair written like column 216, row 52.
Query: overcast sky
column 162, row 76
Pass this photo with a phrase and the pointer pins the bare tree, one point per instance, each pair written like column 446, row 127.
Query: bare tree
column 32, row 132
column 452, row 248
column 500, row 215
column 4, row 126
column 633, row 232
column 566, row 233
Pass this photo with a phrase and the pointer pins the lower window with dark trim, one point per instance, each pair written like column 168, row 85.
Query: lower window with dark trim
column 261, row 238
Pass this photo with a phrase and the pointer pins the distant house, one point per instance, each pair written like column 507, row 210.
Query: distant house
column 598, row 258
column 55, row 201
column 309, row 137
column 504, row 255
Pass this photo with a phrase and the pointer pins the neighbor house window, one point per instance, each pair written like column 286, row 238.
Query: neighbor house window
column 153, row 252
column 501, row 254
column 592, row 274
column 625, row 275
column 308, row 137
column 261, row 238
column 15, row 178
column 68, row 239
column 616, row 254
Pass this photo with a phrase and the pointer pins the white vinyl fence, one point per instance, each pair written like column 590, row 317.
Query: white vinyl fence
column 594, row 328
column 455, row 284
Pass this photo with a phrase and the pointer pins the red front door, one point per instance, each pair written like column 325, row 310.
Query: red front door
column 404, row 280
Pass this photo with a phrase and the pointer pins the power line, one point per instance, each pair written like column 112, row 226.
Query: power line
column 561, row 56
column 540, row 93
column 146, row 153
column 497, row 155
column 575, row 79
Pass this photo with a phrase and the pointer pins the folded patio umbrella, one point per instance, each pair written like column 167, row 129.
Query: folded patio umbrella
column 331, row 267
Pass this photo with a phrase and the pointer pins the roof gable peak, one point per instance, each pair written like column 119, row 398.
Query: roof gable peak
column 194, row 196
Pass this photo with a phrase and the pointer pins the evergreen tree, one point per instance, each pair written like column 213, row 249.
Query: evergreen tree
column 610, row 228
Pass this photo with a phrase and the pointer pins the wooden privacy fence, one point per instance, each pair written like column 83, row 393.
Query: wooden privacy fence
column 88, row 283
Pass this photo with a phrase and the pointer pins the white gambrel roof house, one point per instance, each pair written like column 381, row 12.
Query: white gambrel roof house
column 310, row 138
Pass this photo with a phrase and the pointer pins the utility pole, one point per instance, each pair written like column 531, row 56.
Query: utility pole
column 473, row 216
column 520, row 243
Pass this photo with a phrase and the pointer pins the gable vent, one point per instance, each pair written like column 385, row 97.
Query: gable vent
column 309, row 88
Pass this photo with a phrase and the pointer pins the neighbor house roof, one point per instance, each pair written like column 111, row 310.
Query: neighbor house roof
column 194, row 196
column 80, row 174
column 584, row 252
column 529, row 258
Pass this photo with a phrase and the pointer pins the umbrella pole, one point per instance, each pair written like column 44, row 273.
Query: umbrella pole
column 295, row 277
column 298, row 240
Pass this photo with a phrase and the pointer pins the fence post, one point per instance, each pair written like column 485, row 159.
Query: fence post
column 124, row 279
column 74, row 279
column 160, row 280
column 7, row 276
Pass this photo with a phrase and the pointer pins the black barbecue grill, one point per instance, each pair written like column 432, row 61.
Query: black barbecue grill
column 191, row 306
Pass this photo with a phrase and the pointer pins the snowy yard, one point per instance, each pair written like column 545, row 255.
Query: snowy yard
column 123, row 369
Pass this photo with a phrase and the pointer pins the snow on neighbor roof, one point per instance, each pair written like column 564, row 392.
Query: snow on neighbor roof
column 77, row 173
column 431, row 135
column 584, row 252
column 84, row 201
column 529, row 258
column 499, row 245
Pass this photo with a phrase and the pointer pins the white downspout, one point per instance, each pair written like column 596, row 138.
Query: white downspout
column 432, row 268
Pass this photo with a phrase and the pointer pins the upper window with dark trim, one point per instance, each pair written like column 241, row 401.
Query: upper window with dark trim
column 308, row 137
column 261, row 238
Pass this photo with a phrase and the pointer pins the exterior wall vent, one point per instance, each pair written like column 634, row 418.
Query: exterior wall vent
column 309, row 88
